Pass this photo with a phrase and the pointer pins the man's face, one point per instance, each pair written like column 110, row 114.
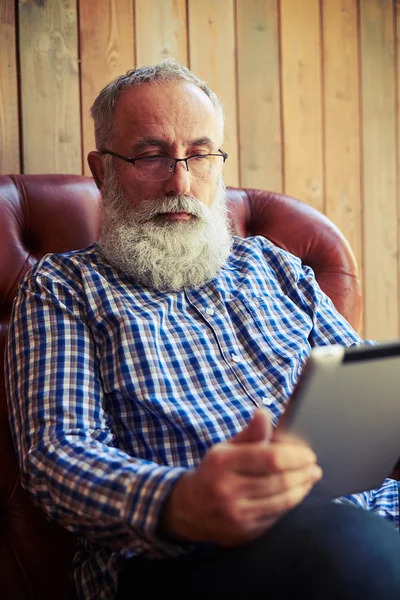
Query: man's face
column 168, row 234
column 174, row 119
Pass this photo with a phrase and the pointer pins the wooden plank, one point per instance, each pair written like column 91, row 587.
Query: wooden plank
column 161, row 31
column 302, row 100
column 9, row 123
column 107, row 51
column 259, row 99
column 50, row 86
column 342, row 126
column 379, row 170
column 212, row 57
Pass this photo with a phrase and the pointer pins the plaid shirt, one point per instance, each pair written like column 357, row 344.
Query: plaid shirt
column 115, row 390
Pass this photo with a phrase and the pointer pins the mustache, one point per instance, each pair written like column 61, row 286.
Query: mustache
column 150, row 209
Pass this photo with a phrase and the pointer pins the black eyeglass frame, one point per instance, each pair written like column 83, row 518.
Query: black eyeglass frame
column 176, row 160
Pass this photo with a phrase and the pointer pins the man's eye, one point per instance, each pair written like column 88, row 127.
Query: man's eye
column 199, row 157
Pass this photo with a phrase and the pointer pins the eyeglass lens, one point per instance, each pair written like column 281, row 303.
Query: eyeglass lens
column 159, row 168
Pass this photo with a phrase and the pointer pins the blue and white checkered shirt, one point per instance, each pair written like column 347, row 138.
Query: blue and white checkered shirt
column 115, row 389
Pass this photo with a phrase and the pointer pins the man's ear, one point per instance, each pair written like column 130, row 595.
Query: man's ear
column 96, row 166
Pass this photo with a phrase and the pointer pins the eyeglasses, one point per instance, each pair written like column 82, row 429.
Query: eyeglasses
column 160, row 168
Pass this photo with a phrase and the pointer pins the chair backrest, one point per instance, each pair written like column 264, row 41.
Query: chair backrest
column 56, row 213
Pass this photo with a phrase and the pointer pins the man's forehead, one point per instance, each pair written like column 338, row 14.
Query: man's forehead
column 140, row 143
column 172, row 104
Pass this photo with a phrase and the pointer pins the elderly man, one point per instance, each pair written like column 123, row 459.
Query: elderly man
column 146, row 374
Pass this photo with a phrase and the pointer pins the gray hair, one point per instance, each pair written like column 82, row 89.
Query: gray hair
column 103, row 108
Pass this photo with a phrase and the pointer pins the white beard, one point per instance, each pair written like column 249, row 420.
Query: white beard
column 159, row 254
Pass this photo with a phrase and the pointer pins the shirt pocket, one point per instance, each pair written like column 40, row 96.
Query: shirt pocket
column 284, row 326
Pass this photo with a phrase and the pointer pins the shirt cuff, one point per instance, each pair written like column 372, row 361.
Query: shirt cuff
column 149, row 493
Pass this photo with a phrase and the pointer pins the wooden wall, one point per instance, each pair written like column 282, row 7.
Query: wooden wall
column 310, row 88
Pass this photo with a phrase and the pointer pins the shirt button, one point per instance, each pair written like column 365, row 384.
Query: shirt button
column 210, row 311
column 236, row 358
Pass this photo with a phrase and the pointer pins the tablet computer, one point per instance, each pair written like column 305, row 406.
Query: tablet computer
column 346, row 405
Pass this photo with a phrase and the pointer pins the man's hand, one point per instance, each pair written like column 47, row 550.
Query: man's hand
column 241, row 488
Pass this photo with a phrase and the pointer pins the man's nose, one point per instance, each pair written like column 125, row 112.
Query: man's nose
column 178, row 184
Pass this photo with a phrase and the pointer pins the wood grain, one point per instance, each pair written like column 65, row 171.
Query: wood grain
column 311, row 90
column 212, row 57
column 342, row 119
column 107, row 51
column 379, row 170
column 9, row 110
column 259, row 101
column 302, row 100
column 50, row 86
column 161, row 31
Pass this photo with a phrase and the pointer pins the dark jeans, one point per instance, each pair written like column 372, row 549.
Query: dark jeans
column 319, row 550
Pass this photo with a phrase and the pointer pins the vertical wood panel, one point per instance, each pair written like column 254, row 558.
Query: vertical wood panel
column 9, row 125
column 342, row 130
column 302, row 100
column 259, row 94
column 107, row 51
column 244, row 49
column 212, row 57
column 50, row 86
column 379, row 164
column 161, row 31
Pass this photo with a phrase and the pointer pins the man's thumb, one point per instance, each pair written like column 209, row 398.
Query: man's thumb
column 259, row 429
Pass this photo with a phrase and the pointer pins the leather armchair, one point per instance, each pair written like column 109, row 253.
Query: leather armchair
column 56, row 213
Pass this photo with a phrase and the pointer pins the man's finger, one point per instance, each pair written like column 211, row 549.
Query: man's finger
column 276, row 505
column 263, row 458
column 259, row 429
column 257, row 489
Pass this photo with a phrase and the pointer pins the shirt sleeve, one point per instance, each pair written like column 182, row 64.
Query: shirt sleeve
column 329, row 326
column 68, row 459
column 383, row 501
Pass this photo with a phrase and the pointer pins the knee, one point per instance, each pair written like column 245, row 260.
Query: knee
column 344, row 552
